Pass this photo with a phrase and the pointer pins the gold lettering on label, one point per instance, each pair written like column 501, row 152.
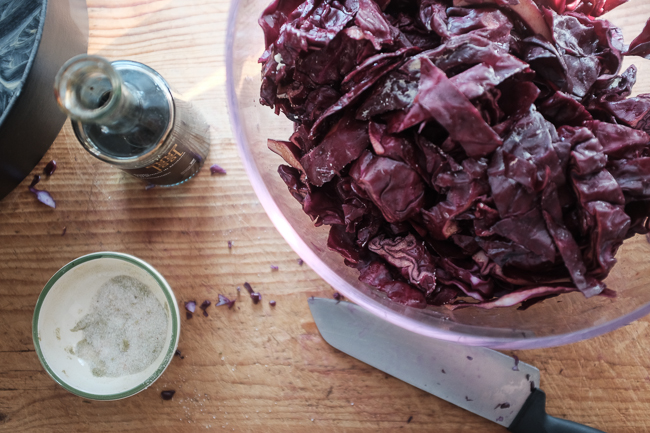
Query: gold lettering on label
column 176, row 152
column 166, row 160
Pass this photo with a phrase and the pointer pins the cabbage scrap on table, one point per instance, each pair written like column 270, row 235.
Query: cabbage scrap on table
column 480, row 153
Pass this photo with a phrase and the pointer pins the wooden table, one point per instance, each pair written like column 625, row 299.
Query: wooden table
column 255, row 368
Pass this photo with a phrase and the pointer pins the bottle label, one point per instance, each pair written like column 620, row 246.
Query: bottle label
column 175, row 166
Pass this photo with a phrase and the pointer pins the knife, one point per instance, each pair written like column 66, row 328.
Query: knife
column 480, row 380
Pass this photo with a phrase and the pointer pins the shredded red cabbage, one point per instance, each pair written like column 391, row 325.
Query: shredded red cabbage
column 223, row 300
column 516, row 366
column 43, row 196
column 204, row 306
column 215, row 169
column 50, row 168
column 641, row 45
column 190, row 306
column 255, row 296
column 481, row 153
column 167, row 394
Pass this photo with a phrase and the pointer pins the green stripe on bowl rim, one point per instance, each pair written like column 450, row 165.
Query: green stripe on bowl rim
column 173, row 311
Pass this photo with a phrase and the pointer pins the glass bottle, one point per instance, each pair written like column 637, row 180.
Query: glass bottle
column 125, row 113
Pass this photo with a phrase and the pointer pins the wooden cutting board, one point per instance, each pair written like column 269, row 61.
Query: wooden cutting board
column 255, row 368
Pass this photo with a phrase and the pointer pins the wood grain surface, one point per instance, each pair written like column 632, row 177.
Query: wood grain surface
column 255, row 368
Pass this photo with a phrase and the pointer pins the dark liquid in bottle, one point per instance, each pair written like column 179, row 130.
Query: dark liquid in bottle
column 143, row 129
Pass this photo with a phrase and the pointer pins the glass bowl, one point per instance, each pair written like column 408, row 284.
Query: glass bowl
column 565, row 319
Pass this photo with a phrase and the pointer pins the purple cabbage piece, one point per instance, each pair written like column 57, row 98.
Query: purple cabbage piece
column 291, row 178
column 256, row 297
column 576, row 51
column 633, row 112
column 561, row 109
column 365, row 76
column 50, row 168
column 375, row 273
column 167, row 394
column 204, row 306
column 223, row 300
column 610, row 224
column 274, row 16
column 591, row 8
column 329, row 157
column 404, row 294
column 342, row 242
column 443, row 102
column 600, row 186
column 395, row 91
column 372, row 24
column 566, row 244
column 433, row 16
column 410, row 257
column 618, row 141
column 488, row 23
column 288, row 151
column 463, row 190
column 516, row 297
column 633, row 177
column 324, row 207
column 529, row 231
column 43, row 196
column 581, row 50
column 475, row 81
column 215, row 169
column 395, row 189
column 640, row 46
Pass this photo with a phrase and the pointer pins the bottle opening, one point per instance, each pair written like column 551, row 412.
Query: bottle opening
column 92, row 92
column 86, row 88
column 106, row 96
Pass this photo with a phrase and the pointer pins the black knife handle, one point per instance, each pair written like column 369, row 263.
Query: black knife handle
column 532, row 418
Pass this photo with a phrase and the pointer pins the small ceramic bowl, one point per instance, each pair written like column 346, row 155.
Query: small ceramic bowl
column 67, row 298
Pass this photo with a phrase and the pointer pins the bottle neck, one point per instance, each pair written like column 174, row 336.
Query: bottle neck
column 90, row 90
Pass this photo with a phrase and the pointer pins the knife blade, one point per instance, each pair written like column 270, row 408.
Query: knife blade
column 480, row 380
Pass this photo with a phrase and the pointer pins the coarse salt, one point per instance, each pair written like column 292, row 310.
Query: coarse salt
column 125, row 330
